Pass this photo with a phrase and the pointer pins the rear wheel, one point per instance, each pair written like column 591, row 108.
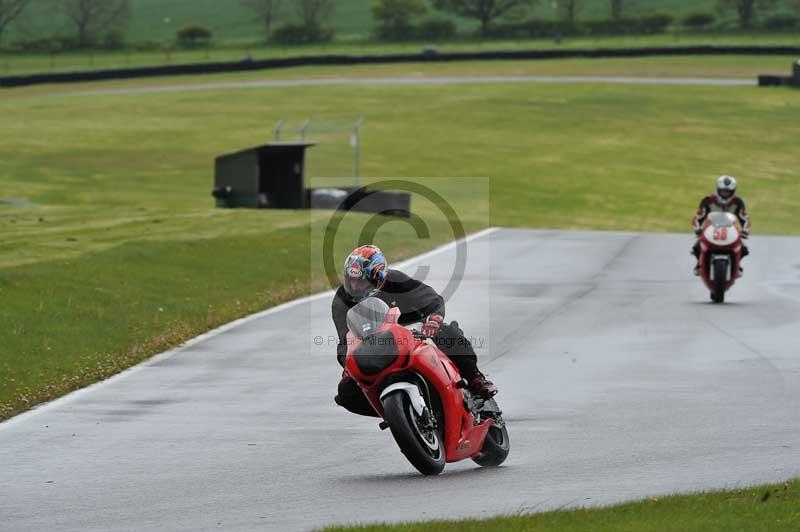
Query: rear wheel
column 495, row 447
column 417, row 436
column 720, row 281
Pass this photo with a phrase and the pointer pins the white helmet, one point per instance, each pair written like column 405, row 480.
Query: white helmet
column 726, row 189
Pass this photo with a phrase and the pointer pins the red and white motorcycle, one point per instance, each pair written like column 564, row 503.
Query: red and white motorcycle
column 721, row 246
column 420, row 394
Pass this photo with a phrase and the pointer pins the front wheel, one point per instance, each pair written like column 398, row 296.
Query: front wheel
column 495, row 447
column 419, row 439
column 720, row 281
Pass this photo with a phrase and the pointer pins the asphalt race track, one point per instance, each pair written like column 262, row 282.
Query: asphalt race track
column 618, row 378
column 426, row 80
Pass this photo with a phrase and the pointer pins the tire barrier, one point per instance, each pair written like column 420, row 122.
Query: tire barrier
column 428, row 55
column 360, row 199
column 769, row 80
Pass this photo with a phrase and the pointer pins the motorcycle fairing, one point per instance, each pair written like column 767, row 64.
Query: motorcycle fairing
column 720, row 238
column 376, row 353
column 463, row 437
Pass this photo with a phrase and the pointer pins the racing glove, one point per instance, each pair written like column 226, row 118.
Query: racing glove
column 433, row 325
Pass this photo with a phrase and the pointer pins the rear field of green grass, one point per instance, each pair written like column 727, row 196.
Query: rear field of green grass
column 122, row 254
column 772, row 508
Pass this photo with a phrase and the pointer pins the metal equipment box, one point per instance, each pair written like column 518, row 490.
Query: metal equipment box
column 271, row 176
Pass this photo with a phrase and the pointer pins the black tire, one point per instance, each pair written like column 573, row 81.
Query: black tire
column 495, row 447
column 425, row 451
column 720, row 281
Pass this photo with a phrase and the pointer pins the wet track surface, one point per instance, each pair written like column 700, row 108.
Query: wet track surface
column 618, row 378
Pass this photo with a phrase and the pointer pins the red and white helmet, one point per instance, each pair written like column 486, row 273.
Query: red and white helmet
column 726, row 189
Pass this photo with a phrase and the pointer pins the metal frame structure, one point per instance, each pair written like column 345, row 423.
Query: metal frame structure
column 310, row 126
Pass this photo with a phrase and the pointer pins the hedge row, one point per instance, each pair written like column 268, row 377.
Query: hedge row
column 782, row 22
column 301, row 34
column 548, row 28
column 427, row 30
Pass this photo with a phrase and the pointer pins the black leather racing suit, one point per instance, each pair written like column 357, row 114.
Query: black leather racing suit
column 416, row 301
column 710, row 204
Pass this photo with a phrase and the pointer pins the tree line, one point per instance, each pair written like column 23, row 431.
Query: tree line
column 87, row 17
column 92, row 20
column 488, row 12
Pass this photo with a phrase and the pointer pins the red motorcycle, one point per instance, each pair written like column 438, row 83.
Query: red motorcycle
column 720, row 253
column 419, row 393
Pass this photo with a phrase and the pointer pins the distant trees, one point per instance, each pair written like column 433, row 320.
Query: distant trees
column 746, row 10
column 314, row 12
column 395, row 22
column 796, row 5
column 102, row 23
column 93, row 17
column 485, row 11
column 314, row 24
column 194, row 35
column 782, row 22
column 697, row 21
column 267, row 12
column 570, row 9
column 9, row 10
column 394, row 17
column 617, row 9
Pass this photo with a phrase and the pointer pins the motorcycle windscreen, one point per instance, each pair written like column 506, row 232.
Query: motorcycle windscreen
column 720, row 219
column 378, row 352
column 379, row 349
column 365, row 318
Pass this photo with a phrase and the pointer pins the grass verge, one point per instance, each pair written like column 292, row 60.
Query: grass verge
column 769, row 508
column 121, row 254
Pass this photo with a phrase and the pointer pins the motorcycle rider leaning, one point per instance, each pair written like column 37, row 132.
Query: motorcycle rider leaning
column 725, row 200
column 366, row 275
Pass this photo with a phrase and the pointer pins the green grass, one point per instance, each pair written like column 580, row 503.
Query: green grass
column 770, row 508
column 14, row 64
column 124, row 256
column 352, row 18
